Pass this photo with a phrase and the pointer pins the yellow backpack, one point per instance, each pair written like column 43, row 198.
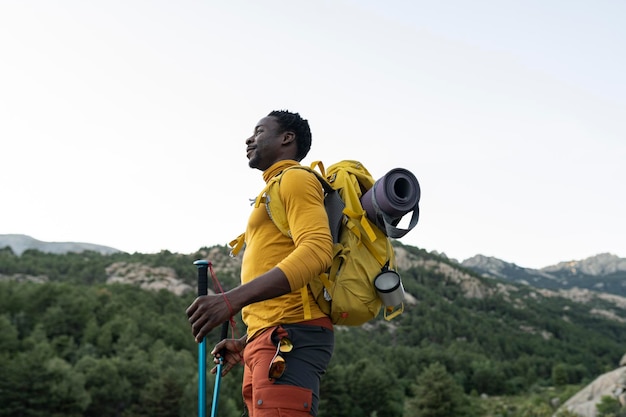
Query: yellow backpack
column 361, row 251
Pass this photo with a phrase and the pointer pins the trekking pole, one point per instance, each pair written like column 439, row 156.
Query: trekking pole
column 203, row 285
column 218, row 373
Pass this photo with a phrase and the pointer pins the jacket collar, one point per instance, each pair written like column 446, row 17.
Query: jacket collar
column 277, row 168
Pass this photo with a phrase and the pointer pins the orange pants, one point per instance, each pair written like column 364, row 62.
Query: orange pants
column 296, row 393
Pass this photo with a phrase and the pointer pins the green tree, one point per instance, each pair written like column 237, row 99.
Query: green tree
column 23, row 385
column 162, row 395
column 487, row 377
column 67, row 394
column 437, row 394
column 110, row 392
column 559, row 374
column 35, row 383
column 373, row 389
column 335, row 399
column 9, row 341
column 610, row 407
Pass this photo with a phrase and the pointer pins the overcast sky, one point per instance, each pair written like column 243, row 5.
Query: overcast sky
column 122, row 123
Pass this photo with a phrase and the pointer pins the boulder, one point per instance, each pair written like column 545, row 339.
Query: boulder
column 612, row 384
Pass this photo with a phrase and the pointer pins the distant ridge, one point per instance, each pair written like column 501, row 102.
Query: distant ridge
column 604, row 272
column 21, row 243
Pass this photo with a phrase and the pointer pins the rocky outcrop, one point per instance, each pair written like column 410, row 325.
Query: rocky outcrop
column 584, row 296
column 146, row 277
column 612, row 384
column 602, row 264
column 37, row 279
column 472, row 286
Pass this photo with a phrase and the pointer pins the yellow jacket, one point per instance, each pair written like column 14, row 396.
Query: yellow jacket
column 302, row 257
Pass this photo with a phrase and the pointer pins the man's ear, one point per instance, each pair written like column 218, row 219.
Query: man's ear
column 288, row 138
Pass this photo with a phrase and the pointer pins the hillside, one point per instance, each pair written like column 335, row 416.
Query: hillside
column 493, row 336
column 601, row 273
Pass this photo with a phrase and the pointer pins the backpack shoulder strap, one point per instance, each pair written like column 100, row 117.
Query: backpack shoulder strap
column 270, row 196
column 275, row 208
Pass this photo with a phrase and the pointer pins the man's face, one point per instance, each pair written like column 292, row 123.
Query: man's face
column 264, row 145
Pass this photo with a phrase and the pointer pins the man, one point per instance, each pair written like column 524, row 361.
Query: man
column 287, row 347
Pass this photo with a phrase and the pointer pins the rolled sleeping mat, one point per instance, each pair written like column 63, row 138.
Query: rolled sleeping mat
column 391, row 198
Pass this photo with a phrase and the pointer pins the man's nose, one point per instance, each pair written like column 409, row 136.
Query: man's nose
column 249, row 140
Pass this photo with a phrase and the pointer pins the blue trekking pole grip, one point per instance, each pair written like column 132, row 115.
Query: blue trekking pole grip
column 203, row 286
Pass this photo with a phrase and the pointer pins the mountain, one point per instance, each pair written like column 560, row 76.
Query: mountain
column 604, row 272
column 21, row 243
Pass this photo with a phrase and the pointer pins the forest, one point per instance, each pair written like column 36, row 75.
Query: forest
column 73, row 345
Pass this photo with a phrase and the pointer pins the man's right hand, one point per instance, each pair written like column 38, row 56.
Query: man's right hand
column 231, row 351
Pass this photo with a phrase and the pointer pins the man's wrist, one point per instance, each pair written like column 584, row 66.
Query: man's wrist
column 233, row 301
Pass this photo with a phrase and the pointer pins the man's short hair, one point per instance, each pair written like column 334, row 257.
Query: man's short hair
column 292, row 122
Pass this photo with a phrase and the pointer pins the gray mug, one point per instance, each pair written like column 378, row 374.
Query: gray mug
column 389, row 287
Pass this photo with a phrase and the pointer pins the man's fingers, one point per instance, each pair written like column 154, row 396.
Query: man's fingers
column 196, row 314
column 200, row 325
column 204, row 329
column 218, row 347
column 196, row 328
column 192, row 308
column 226, row 368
